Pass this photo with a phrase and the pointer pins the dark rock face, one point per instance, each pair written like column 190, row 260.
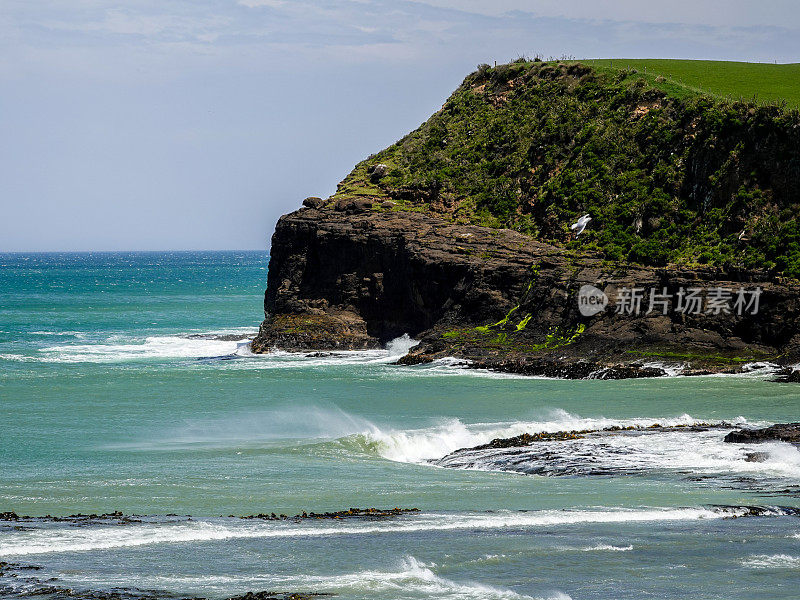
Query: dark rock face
column 356, row 277
column 781, row 432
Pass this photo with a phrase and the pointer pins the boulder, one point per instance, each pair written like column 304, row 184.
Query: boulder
column 313, row 202
column 781, row 432
column 377, row 172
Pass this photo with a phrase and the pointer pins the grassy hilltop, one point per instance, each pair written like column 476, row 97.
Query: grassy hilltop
column 758, row 82
column 670, row 172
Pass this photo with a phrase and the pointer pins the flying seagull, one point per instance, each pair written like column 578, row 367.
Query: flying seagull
column 580, row 225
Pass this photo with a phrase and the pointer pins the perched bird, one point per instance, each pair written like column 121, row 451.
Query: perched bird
column 580, row 225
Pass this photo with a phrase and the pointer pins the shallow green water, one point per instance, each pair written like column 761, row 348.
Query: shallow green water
column 108, row 403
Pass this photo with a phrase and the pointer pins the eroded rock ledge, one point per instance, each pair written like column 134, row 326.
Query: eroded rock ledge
column 359, row 276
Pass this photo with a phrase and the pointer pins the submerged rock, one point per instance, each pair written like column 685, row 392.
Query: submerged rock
column 756, row 457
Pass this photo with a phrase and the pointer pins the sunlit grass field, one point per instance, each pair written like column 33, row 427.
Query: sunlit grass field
column 762, row 82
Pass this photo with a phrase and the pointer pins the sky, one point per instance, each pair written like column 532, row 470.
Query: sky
column 195, row 124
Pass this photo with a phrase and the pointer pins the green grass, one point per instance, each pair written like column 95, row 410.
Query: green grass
column 764, row 82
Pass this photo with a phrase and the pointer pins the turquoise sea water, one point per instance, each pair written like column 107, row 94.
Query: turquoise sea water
column 122, row 387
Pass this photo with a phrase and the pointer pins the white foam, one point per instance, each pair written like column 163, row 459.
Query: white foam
column 772, row 561
column 57, row 333
column 607, row 548
column 671, row 369
column 150, row 347
column 51, row 540
column 400, row 346
column 18, row 358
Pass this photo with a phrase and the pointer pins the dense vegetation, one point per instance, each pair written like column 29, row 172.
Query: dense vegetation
column 667, row 175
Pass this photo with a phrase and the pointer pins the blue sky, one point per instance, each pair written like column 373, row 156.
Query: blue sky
column 176, row 124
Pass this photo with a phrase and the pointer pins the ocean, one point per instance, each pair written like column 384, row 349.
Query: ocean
column 126, row 384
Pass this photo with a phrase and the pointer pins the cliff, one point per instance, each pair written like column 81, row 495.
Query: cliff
column 458, row 234
column 348, row 280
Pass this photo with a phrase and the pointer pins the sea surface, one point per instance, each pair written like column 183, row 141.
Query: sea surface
column 126, row 384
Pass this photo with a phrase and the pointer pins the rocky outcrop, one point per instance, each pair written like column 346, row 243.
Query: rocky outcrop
column 781, row 432
column 360, row 276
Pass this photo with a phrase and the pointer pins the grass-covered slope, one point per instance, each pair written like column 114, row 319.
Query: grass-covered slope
column 758, row 82
column 668, row 174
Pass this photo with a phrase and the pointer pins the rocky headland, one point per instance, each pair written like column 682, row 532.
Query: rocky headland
column 405, row 246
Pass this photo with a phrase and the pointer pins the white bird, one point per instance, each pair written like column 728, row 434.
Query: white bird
column 580, row 225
